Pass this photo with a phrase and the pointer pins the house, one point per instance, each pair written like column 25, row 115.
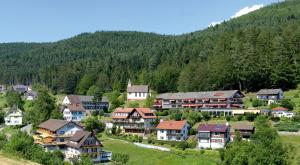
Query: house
column 215, row 102
column 173, row 130
column 2, row 88
column 83, row 142
column 270, row 95
column 265, row 112
column 13, row 116
column 70, row 138
column 31, row 95
column 213, row 135
column 53, row 134
column 282, row 112
column 87, row 102
column 137, row 92
column 134, row 120
column 20, row 88
column 74, row 112
column 246, row 129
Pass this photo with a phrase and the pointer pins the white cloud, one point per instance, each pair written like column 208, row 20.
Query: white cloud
column 241, row 12
column 214, row 23
column 247, row 10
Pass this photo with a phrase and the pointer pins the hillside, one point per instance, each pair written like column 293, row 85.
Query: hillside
column 257, row 50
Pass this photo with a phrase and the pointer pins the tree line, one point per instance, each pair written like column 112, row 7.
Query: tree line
column 258, row 50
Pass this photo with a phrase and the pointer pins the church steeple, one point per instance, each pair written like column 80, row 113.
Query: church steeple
column 129, row 83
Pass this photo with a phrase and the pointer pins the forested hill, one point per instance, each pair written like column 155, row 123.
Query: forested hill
column 257, row 50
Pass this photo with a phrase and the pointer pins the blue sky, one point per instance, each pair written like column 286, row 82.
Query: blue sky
column 52, row 20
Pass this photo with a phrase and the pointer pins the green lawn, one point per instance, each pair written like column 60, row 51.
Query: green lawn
column 138, row 155
column 141, row 103
column 294, row 141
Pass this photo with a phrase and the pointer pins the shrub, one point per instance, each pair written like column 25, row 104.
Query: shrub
column 192, row 131
column 120, row 158
column 257, row 103
column 182, row 145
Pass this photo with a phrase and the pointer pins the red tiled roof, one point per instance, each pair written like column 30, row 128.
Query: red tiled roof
column 212, row 127
column 280, row 109
column 145, row 113
column 171, row 125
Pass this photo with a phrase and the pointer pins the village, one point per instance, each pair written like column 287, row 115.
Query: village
column 202, row 121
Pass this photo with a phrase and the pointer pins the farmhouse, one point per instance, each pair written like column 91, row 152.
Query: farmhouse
column 31, row 95
column 282, row 112
column 245, row 130
column 216, row 102
column 134, row 120
column 137, row 92
column 13, row 116
column 270, row 95
column 87, row 102
column 83, row 142
column 213, row 135
column 74, row 112
column 172, row 130
column 20, row 88
column 70, row 138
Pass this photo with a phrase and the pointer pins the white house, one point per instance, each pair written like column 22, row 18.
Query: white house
column 31, row 95
column 137, row 92
column 13, row 116
column 172, row 130
column 213, row 135
column 282, row 112
column 270, row 95
column 74, row 112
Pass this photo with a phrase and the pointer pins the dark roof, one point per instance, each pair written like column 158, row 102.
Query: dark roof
column 213, row 127
column 55, row 124
column 78, row 99
column 269, row 91
column 78, row 139
column 201, row 95
column 76, row 107
column 242, row 126
column 138, row 88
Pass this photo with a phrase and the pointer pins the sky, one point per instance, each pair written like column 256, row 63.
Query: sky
column 53, row 20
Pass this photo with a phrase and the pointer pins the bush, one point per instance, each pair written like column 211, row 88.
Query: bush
column 287, row 103
column 257, row 103
column 250, row 116
column 182, row 145
column 162, row 113
column 120, row 158
column 192, row 131
column 288, row 126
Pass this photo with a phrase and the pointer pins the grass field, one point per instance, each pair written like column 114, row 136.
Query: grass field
column 10, row 160
column 138, row 155
column 294, row 141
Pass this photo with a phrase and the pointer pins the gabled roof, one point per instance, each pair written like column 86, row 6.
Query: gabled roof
column 201, row 95
column 55, row 124
column 242, row 126
column 138, row 88
column 13, row 110
column 79, row 138
column 269, row 91
column 76, row 107
column 280, row 109
column 212, row 127
column 145, row 113
column 171, row 125
column 78, row 99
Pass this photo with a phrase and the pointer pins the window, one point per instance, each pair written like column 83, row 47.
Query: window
column 61, row 132
column 135, row 94
column 161, row 138
column 139, row 94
